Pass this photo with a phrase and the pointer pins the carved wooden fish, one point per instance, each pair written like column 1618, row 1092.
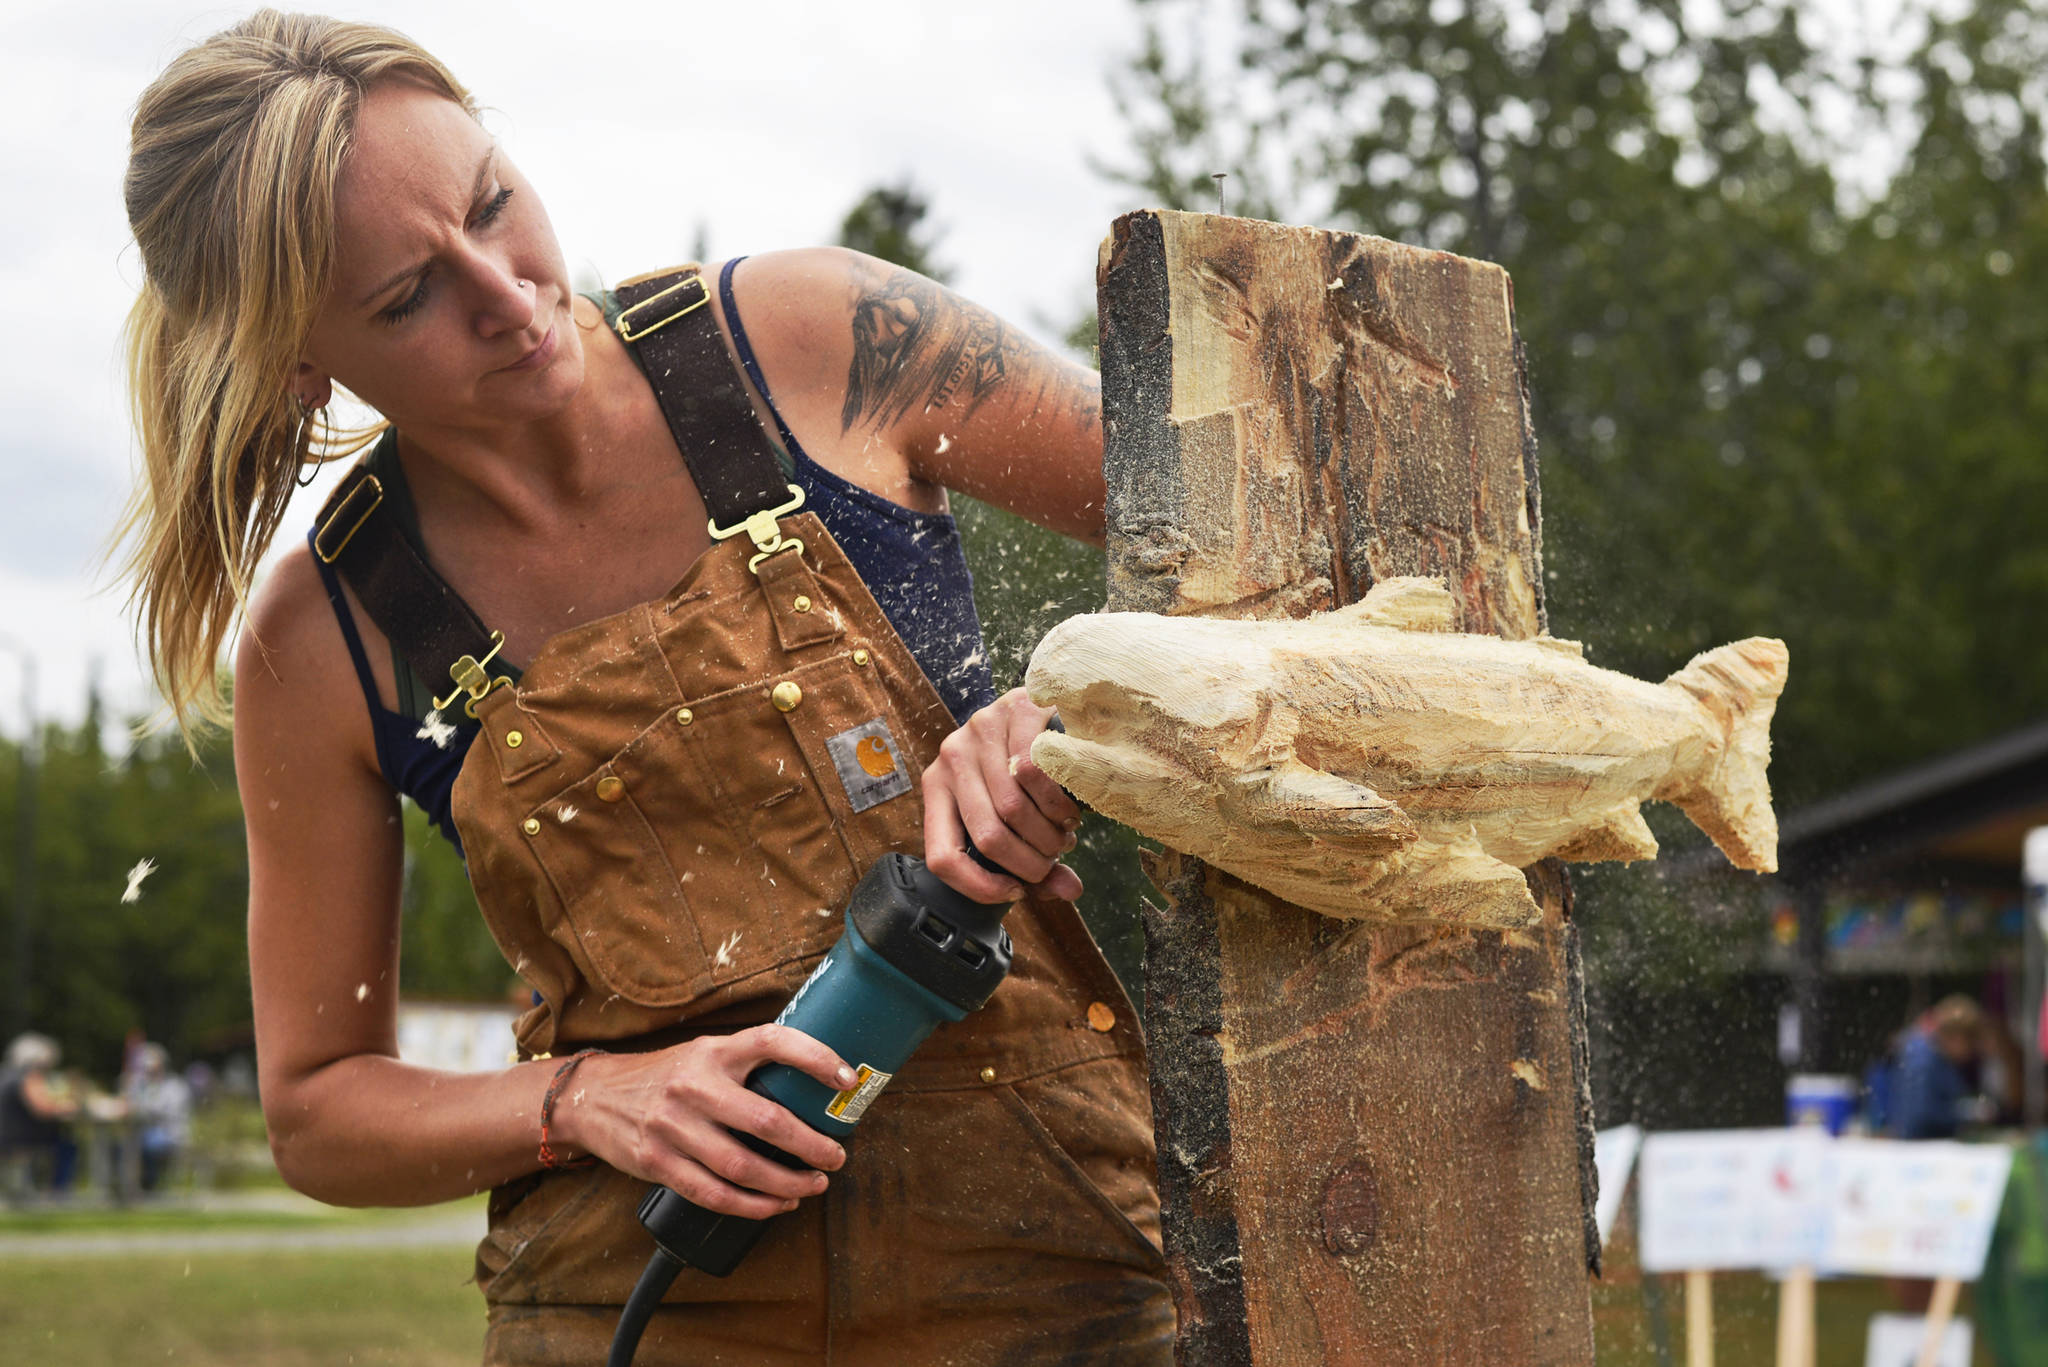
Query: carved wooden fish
column 1373, row 763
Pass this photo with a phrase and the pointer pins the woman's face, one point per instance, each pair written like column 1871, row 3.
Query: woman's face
column 450, row 304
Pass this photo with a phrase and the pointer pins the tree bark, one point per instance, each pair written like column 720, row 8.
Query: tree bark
column 1370, row 1137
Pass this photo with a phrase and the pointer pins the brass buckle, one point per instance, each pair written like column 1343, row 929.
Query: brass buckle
column 630, row 331
column 767, row 537
column 376, row 489
column 472, row 678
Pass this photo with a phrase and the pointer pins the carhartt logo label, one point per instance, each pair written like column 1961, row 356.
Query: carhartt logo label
column 873, row 754
column 869, row 764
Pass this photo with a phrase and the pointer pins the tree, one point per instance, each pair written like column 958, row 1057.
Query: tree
column 889, row 222
column 172, row 959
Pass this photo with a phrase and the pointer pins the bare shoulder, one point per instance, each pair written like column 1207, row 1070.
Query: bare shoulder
column 907, row 388
column 295, row 686
column 290, row 637
column 797, row 308
column 815, row 285
column 800, row 311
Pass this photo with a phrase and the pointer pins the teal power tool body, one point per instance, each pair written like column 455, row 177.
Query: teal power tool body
column 914, row 955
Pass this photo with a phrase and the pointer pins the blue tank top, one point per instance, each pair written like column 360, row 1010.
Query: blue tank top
column 911, row 561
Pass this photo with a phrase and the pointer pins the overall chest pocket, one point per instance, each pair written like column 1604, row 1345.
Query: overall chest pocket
column 721, row 842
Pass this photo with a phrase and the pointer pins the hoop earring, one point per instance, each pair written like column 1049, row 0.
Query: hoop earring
column 312, row 468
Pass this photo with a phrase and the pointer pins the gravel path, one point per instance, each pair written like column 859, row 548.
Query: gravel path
column 428, row 1229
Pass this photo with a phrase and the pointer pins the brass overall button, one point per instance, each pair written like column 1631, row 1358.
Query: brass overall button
column 786, row 696
column 514, row 739
column 685, row 716
column 802, row 603
column 860, row 657
column 530, row 826
column 988, row 1075
column 611, row 788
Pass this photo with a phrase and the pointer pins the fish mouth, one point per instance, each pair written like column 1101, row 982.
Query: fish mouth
column 1090, row 707
column 1087, row 670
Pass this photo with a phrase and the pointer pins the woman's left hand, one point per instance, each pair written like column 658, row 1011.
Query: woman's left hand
column 984, row 786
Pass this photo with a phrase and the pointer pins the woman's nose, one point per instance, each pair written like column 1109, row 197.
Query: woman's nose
column 507, row 303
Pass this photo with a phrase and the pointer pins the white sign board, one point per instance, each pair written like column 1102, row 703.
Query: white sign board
column 1716, row 1200
column 1614, row 1155
column 456, row 1039
column 1914, row 1209
column 2034, row 857
column 1895, row 1342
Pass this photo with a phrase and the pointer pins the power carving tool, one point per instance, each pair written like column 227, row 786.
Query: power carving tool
column 914, row 955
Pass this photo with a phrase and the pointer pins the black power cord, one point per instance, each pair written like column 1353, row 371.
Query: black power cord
column 660, row 1274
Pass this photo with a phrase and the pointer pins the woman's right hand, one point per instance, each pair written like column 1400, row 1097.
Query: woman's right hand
column 671, row 1117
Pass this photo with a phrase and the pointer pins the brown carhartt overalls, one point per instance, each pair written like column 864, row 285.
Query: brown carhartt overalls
column 662, row 829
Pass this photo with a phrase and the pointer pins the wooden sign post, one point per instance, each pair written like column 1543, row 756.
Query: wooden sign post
column 1374, row 1140
column 1699, row 1319
column 1796, row 1342
column 1941, row 1309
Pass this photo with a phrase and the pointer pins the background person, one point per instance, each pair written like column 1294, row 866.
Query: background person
column 1934, row 1076
column 37, row 1108
column 160, row 1102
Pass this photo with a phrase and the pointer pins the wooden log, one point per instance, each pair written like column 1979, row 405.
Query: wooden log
column 1371, row 1137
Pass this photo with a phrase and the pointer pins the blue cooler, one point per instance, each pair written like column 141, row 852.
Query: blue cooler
column 1823, row 1099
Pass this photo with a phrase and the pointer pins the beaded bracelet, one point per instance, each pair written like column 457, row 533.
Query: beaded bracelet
column 549, row 1158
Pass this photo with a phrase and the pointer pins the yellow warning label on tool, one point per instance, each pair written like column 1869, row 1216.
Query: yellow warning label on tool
column 851, row 1104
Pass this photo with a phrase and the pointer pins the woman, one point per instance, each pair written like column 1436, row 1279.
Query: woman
column 160, row 1103
column 651, row 814
column 36, row 1110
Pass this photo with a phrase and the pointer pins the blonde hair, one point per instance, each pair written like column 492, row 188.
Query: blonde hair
column 234, row 157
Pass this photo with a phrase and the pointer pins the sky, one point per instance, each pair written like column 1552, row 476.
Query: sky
column 756, row 125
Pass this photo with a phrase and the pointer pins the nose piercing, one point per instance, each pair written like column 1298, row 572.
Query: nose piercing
column 525, row 284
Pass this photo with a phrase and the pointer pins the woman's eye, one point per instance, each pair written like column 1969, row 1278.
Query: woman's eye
column 411, row 304
column 492, row 209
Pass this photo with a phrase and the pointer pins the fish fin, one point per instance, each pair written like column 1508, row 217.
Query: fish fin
column 1730, row 798
column 1406, row 603
column 1456, row 883
column 1623, row 836
column 1295, row 798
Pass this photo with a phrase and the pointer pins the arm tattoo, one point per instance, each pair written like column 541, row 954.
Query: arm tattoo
column 916, row 347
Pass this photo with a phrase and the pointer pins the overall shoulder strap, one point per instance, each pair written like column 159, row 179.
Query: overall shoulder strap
column 667, row 323
column 428, row 623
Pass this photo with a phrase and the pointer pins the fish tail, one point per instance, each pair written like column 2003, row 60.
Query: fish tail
column 1730, row 798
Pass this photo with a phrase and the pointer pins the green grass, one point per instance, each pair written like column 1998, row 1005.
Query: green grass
column 1745, row 1317
column 414, row 1306
column 310, row 1309
column 1745, row 1321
